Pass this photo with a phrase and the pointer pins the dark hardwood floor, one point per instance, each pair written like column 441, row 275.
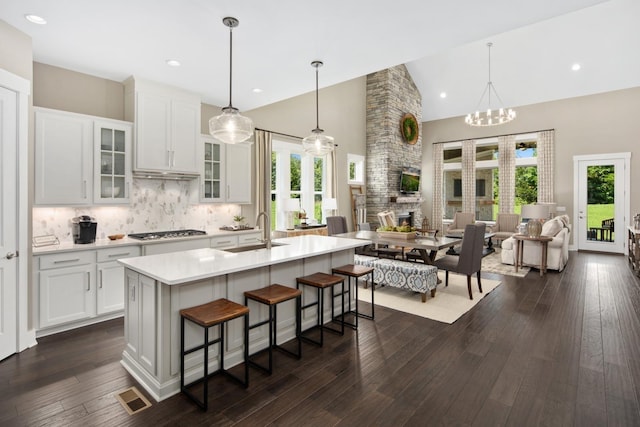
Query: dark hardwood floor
column 559, row 350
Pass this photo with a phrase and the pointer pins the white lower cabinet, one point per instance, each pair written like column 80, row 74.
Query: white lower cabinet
column 78, row 288
column 110, row 286
column 140, row 320
column 67, row 294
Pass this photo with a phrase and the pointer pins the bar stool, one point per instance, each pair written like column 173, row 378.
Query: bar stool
column 216, row 312
column 356, row 271
column 272, row 296
column 320, row 281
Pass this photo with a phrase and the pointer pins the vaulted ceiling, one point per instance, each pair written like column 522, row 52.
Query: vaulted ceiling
column 443, row 44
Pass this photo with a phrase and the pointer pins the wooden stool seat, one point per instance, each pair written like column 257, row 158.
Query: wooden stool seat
column 272, row 296
column 320, row 281
column 356, row 271
column 214, row 313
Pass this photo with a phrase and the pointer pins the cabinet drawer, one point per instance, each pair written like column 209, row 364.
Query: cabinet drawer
column 249, row 238
column 224, row 242
column 113, row 254
column 67, row 259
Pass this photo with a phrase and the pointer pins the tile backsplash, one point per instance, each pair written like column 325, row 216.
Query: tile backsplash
column 156, row 205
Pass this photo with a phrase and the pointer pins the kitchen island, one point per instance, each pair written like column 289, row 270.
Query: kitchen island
column 157, row 287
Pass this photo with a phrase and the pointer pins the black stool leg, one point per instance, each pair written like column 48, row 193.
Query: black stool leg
column 205, row 400
column 246, row 350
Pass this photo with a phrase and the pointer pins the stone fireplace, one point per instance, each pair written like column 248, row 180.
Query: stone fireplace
column 390, row 94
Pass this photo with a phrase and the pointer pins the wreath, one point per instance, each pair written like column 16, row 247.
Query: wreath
column 409, row 128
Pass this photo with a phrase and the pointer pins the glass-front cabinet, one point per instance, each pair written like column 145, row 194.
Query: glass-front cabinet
column 112, row 168
column 213, row 171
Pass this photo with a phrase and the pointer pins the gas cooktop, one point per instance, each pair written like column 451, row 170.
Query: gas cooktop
column 155, row 235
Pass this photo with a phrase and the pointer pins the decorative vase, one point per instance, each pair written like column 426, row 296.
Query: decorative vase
column 534, row 228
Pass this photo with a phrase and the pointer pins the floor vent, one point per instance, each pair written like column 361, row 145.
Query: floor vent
column 132, row 400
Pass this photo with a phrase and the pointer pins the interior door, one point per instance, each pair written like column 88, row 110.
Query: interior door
column 601, row 183
column 8, row 223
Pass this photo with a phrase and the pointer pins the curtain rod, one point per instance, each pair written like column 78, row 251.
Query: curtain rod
column 495, row 136
column 280, row 133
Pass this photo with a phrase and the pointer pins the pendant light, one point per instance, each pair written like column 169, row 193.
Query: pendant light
column 231, row 127
column 317, row 144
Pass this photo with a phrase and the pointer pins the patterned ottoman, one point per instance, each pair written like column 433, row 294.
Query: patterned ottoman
column 401, row 274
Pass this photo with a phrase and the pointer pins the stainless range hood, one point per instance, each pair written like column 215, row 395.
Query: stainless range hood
column 165, row 175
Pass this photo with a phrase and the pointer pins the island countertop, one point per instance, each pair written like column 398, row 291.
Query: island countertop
column 181, row 267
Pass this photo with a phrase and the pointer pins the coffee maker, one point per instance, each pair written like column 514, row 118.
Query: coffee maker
column 83, row 229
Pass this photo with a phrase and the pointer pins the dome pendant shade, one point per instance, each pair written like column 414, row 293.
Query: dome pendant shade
column 317, row 144
column 231, row 127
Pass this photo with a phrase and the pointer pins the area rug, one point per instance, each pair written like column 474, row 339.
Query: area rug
column 492, row 263
column 447, row 306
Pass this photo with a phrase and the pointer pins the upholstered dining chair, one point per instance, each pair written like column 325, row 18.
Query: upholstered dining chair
column 470, row 259
column 506, row 225
column 336, row 225
column 460, row 221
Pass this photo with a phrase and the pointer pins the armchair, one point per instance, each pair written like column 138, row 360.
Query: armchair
column 506, row 226
column 460, row 221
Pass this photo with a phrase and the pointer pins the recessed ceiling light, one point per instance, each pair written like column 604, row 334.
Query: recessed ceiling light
column 257, row 90
column 575, row 67
column 173, row 62
column 443, row 94
column 35, row 19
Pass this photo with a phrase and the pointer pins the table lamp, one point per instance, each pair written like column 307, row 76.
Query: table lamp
column 329, row 204
column 291, row 206
column 536, row 215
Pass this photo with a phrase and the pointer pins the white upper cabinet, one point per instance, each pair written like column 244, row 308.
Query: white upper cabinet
column 63, row 159
column 112, row 162
column 167, row 127
column 226, row 172
column 81, row 160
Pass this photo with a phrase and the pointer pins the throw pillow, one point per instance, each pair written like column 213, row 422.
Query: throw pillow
column 551, row 227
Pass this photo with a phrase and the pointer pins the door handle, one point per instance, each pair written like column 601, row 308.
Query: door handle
column 11, row 255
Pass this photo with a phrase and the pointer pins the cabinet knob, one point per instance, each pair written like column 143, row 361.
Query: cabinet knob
column 11, row 255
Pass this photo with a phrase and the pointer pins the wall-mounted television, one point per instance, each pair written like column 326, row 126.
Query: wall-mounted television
column 409, row 180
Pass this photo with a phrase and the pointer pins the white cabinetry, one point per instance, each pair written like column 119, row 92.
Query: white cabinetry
column 226, row 172
column 140, row 320
column 112, row 162
column 167, row 127
column 67, row 288
column 63, row 158
column 78, row 288
column 81, row 160
column 110, row 286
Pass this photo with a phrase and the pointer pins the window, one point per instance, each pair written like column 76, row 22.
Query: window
column 356, row 169
column 296, row 175
column 487, row 176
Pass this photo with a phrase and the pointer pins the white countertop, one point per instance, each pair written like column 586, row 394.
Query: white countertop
column 187, row 266
column 126, row 241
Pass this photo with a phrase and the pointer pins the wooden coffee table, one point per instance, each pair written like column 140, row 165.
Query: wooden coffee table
column 543, row 240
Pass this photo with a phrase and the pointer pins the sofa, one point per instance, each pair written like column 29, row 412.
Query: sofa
column 557, row 249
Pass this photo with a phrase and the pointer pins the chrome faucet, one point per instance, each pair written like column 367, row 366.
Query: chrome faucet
column 266, row 229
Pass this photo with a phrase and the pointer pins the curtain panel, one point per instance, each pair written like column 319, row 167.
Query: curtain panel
column 469, row 176
column 507, row 173
column 436, row 208
column 546, row 160
column 262, row 149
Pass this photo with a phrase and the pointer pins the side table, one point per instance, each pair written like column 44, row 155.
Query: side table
column 543, row 240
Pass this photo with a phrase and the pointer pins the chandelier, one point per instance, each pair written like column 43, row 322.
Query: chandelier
column 231, row 127
column 490, row 117
column 317, row 144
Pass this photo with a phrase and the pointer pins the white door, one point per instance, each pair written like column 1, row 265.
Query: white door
column 8, row 223
column 601, row 183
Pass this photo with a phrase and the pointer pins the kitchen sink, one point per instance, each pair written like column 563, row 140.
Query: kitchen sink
column 252, row 247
